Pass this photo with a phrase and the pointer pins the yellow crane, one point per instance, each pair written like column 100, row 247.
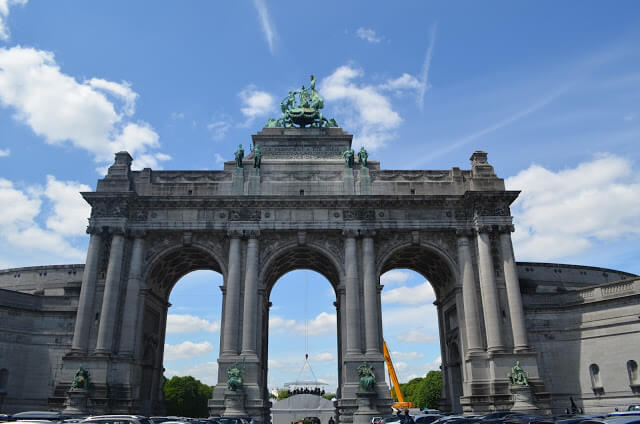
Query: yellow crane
column 400, row 404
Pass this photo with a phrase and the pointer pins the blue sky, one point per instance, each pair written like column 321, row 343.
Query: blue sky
column 551, row 90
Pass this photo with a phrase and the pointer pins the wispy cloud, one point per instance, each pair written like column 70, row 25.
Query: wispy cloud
column 455, row 144
column 424, row 75
column 4, row 153
column 267, row 26
column 255, row 103
column 4, row 14
column 369, row 35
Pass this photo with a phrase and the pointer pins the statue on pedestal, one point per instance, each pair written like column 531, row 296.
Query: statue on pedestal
column 363, row 156
column 239, row 156
column 234, row 378
column 257, row 156
column 348, row 156
column 518, row 376
column 80, row 380
column 367, row 377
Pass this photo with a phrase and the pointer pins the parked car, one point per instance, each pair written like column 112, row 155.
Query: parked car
column 426, row 418
column 117, row 419
column 39, row 416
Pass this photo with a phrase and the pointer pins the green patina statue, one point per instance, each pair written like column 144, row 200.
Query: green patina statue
column 367, row 377
column 81, row 379
column 234, row 377
column 239, row 156
column 348, row 156
column 302, row 108
column 257, row 156
column 518, row 376
column 363, row 156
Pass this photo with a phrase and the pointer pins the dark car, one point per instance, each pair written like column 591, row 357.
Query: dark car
column 39, row 415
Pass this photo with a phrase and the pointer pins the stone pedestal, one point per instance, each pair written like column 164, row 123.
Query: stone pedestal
column 366, row 408
column 348, row 181
column 237, row 182
column 523, row 399
column 77, row 402
column 254, row 182
column 365, row 181
column 234, row 404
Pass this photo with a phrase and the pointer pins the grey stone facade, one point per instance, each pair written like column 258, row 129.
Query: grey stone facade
column 303, row 208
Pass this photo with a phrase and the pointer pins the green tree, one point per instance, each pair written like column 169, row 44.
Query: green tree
column 329, row 396
column 424, row 392
column 283, row 394
column 187, row 397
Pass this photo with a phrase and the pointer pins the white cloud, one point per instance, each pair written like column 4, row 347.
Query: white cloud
column 70, row 209
column 374, row 118
column 62, row 110
column 4, row 14
column 406, row 356
column 323, row 323
column 219, row 128
column 255, row 103
column 177, row 324
column 410, row 295
column 405, row 316
column 564, row 213
column 121, row 91
column 424, row 74
column 218, row 158
column 176, row 116
column 265, row 21
column 394, row 276
column 4, row 153
column 22, row 238
column 416, row 336
column 403, row 82
column 368, row 35
column 186, row 350
column 207, row 372
column 322, row 357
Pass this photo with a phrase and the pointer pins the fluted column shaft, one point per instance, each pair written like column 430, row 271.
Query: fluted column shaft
column 489, row 293
column 249, row 323
column 131, row 300
column 514, row 296
column 87, row 294
column 469, row 295
column 370, row 292
column 352, row 306
column 110, row 296
column 232, row 298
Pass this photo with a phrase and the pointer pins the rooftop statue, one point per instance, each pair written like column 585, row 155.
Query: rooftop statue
column 302, row 108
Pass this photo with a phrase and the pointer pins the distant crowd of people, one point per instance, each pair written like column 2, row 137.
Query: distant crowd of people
column 306, row 391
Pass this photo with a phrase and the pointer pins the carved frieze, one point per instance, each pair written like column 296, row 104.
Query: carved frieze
column 359, row 214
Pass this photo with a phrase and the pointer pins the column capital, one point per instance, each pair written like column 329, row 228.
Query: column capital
column 368, row 233
column 94, row 229
column 340, row 290
column 138, row 233
column 509, row 228
column 350, row 232
column 117, row 230
column 483, row 228
column 463, row 233
column 253, row 233
column 235, row 233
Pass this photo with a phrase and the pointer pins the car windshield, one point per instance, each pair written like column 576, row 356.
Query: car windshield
column 110, row 421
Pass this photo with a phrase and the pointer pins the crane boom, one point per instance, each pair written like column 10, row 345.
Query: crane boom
column 400, row 404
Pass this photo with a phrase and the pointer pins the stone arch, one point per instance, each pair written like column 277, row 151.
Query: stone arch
column 168, row 265
column 293, row 256
column 428, row 259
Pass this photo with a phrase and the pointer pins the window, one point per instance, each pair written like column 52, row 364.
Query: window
column 634, row 382
column 596, row 385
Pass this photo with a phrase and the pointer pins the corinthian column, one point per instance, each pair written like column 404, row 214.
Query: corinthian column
column 87, row 293
column 489, row 292
column 352, row 306
column 249, row 322
column 232, row 297
column 131, row 301
column 370, row 288
column 110, row 296
column 514, row 297
column 469, row 294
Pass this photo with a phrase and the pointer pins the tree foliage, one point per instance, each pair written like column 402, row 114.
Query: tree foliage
column 424, row 392
column 329, row 396
column 187, row 397
column 283, row 394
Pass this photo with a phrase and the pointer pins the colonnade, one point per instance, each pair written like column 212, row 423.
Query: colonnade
column 489, row 294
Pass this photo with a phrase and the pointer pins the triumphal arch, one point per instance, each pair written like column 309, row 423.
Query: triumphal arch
column 301, row 199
